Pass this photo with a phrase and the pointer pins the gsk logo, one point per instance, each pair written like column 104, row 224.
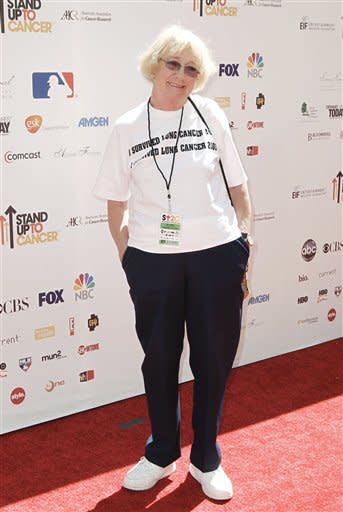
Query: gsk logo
column 255, row 65
column 33, row 123
column 84, row 287
column 53, row 85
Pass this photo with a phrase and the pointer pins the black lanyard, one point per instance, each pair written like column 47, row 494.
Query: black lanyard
column 174, row 153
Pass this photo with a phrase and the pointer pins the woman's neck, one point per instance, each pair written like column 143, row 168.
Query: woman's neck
column 161, row 103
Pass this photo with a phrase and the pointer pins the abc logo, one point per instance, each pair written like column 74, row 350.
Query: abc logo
column 309, row 250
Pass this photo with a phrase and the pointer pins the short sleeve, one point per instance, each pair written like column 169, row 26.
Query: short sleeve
column 113, row 180
column 233, row 167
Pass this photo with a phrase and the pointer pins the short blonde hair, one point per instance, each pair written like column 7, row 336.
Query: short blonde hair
column 172, row 41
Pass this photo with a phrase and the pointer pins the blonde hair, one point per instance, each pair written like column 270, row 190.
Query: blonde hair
column 172, row 41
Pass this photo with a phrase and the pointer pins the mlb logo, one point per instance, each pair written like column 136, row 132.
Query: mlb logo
column 25, row 363
column 53, row 85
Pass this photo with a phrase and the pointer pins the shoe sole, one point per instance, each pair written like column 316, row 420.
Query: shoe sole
column 135, row 487
column 208, row 494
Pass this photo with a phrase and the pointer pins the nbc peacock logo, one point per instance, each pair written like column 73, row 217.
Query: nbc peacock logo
column 84, row 286
column 255, row 65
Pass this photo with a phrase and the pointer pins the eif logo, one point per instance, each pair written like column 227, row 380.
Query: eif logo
column 229, row 70
column 214, row 8
column 255, row 65
column 337, row 188
column 304, row 23
column 84, row 287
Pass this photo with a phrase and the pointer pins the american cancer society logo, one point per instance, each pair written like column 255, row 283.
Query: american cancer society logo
column 53, row 85
column 214, row 8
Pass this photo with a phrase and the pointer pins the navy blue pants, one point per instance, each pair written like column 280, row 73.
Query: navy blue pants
column 201, row 290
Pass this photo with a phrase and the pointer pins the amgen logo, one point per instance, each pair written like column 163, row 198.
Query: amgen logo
column 258, row 299
column 309, row 250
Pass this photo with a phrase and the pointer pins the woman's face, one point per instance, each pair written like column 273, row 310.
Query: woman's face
column 173, row 85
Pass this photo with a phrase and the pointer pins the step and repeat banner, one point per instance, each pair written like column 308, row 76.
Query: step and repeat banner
column 68, row 70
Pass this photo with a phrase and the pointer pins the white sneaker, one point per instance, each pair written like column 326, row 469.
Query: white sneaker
column 215, row 484
column 146, row 474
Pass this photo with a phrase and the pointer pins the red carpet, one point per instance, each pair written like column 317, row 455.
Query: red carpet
column 281, row 440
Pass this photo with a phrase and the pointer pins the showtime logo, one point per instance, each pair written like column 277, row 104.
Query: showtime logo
column 88, row 348
column 84, row 287
column 255, row 65
column 17, row 396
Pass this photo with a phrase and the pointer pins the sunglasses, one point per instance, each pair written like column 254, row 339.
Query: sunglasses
column 188, row 70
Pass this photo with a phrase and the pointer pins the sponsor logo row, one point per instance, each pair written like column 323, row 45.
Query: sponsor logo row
column 34, row 123
column 83, row 287
column 309, row 248
column 322, row 295
column 18, row 394
column 49, row 331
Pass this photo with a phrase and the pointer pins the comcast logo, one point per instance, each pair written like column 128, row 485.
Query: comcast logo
column 84, row 286
column 255, row 65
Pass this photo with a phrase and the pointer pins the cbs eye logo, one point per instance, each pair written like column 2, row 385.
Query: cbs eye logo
column 309, row 250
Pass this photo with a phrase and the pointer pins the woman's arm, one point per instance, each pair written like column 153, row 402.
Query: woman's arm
column 117, row 221
column 242, row 205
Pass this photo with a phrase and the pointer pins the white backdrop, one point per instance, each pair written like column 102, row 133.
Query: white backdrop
column 65, row 350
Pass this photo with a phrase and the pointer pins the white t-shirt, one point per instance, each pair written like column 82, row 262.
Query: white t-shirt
column 198, row 193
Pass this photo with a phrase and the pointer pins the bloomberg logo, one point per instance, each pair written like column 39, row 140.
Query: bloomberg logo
column 228, row 69
column 258, row 299
column 309, row 250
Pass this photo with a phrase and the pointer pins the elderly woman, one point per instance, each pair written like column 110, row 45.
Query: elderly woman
column 184, row 250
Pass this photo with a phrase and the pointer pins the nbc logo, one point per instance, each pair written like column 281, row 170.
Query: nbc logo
column 255, row 65
column 84, row 287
